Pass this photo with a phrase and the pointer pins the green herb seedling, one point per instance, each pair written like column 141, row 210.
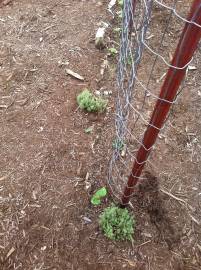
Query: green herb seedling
column 88, row 130
column 100, row 194
column 121, row 3
column 118, row 144
column 120, row 14
column 112, row 51
column 89, row 102
column 117, row 223
column 117, row 30
column 129, row 61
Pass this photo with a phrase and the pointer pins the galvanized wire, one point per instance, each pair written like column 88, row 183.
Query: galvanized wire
column 137, row 85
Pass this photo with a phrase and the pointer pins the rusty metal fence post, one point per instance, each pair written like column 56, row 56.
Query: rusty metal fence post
column 186, row 47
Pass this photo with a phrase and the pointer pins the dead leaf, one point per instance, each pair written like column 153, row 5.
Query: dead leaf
column 74, row 74
column 100, row 37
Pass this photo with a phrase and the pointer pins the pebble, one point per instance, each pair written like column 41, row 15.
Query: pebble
column 98, row 93
column 107, row 93
column 87, row 220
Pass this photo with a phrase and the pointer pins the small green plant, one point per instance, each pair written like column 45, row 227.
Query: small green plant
column 112, row 51
column 100, row 194
column 118, row 144
column 121, row 3
column 88, row 130
column 129, row 60
column 117, row 30
column 117, row 224
column 120, row 14
column 87, row 101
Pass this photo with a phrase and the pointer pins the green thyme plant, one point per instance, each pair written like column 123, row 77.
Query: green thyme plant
column 112, row 51
column 118, row 144
column 117, row 224
column 87, row 101
column 121, row 3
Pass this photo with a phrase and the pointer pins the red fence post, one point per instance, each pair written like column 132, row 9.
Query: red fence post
column 186, row 47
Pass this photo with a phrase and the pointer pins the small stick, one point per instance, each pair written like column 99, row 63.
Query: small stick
column 143, row 244
column 176, row 198
column 173, row 196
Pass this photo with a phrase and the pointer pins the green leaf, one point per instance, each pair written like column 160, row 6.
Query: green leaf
column 112, row 51
column 120, row 14
column 121, row 2
column 88, row 130
column 117, row 29
column 95, row 201
column 100, row 194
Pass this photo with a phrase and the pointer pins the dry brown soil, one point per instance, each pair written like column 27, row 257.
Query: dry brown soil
column 47, row 160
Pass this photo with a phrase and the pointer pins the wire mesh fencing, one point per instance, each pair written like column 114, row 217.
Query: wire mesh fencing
column 156, row 51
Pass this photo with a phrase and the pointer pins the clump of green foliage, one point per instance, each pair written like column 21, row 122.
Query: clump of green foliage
column 120, row 12
column 98, row 196
column 87, row 101
column 121, row 3
column 117, row 30
column 112, row 51
column 117, row 224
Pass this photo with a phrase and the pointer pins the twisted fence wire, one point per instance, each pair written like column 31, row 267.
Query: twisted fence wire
column 145, row 54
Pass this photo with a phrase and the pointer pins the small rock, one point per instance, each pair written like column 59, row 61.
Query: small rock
column 100, row 35
column 61, row 63
column 43, row 248
column 40, row 129
column 148, row 94
column 87, row 220
column 98, row 93
column 106, row 93
column 87, row 185
column 123, row 152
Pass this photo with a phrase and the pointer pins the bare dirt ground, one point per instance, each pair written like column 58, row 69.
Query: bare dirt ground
column 47, row 159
